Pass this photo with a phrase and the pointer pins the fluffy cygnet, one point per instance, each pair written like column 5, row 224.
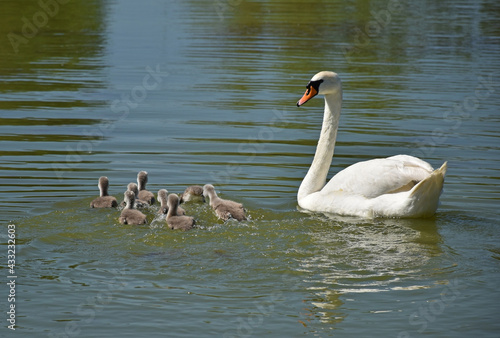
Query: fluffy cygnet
column 224, row 209
column 145, row 195
column 177, row 222
column 104, row 200
column 162, row 197
column 192, row 193
column 130, row 215
column 138, row 203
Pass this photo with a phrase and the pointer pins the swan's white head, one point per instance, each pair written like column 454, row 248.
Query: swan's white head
column 323, row 83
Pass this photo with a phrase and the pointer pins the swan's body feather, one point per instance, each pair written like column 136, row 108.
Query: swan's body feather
column 420, row 201
column 380, row 176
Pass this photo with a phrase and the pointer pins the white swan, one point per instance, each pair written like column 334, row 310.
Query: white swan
column 397, row 186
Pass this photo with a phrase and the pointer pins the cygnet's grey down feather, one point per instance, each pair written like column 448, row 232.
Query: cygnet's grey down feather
column 224, row 209
column 104, row 200
column 177, row 222
column 130, row 215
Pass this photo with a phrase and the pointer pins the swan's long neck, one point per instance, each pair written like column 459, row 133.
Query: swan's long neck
column 315, row 179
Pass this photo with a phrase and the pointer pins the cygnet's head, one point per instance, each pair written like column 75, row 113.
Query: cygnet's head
column 193, row 192
column 133, row 187
column 173, row 201
column 162, row 196
column 142, row 178
column 103, row 184
column 208, row 190
column 129, row 197
column 323, row 83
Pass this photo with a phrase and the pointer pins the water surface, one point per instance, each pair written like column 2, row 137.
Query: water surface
column 201, row 92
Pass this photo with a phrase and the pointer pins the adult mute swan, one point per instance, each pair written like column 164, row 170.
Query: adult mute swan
column 397, row 186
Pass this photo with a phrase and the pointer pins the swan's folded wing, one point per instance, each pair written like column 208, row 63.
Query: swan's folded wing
column 380, row 176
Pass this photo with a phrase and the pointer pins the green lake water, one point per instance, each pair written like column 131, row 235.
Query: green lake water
column 199, row 92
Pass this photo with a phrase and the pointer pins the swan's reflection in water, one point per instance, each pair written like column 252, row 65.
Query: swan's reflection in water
column 351, row 256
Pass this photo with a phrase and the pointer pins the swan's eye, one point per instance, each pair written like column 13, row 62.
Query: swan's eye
column 315, row 84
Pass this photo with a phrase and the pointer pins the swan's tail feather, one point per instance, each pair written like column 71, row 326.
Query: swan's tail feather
column 425, row 195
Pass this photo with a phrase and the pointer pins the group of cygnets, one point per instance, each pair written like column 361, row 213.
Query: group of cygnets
column 137, row 197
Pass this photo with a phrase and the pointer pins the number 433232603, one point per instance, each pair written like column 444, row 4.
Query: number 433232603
column 11, row 248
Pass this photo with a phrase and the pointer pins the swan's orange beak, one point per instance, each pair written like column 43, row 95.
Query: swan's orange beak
column 309, row 94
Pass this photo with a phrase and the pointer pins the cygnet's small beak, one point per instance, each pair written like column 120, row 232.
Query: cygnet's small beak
column 309, row 94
